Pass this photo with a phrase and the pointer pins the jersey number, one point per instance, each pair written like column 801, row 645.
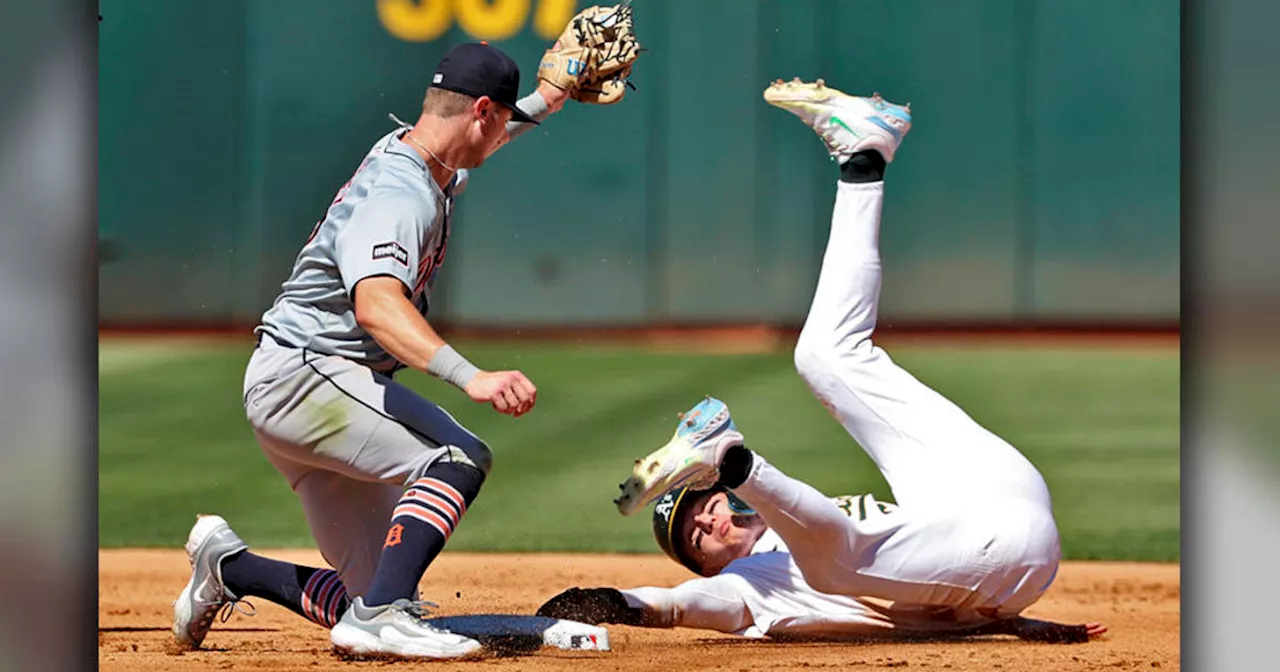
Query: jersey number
column 847, row 503
column 342, row 193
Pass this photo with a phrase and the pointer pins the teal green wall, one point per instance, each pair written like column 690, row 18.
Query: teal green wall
column 1040, row 182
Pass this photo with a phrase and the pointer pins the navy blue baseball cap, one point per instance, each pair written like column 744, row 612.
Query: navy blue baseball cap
column 478, row 69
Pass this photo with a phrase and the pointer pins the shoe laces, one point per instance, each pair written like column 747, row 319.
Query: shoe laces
column 233, row 605
column 420, row 609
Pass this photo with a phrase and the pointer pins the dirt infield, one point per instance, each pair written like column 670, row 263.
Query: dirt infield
column 1140, row 603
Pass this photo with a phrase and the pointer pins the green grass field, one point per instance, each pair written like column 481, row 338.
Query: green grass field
column 1101, row 424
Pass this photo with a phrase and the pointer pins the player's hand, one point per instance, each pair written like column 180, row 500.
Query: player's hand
column 591, row 605
column 592, row 58
column 510, row 392
column 1033, row 630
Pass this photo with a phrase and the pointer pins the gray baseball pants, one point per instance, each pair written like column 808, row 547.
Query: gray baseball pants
column 348, row 440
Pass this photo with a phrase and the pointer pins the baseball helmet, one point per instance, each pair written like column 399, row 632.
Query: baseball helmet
column 671, row 510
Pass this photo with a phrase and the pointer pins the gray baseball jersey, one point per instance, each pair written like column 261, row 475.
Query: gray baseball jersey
column 347, row 439
column 390, row 219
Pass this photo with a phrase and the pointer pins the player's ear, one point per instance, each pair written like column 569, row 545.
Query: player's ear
column 483, row 107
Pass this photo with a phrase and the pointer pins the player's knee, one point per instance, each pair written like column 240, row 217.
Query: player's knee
column 813, row 360
column 821, row 356
column 477, row 453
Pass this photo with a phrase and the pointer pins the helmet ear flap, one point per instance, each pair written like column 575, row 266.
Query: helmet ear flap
column 739, row 507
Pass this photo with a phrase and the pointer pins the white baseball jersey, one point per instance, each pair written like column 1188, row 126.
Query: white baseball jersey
column 765, row 594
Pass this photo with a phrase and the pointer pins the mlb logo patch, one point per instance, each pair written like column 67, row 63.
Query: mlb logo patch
column 438, row 78
column 392, row 250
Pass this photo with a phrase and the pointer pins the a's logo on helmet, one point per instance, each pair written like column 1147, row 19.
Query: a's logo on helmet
column 664, row 506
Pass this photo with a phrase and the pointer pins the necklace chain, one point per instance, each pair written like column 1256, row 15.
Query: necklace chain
column 428, row 151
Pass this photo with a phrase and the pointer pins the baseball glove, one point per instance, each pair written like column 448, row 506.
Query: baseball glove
column 592, row 58
column 591, row 605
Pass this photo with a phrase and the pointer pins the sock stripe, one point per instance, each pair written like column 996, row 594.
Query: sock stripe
column 427, row 508
column 445, row 490
column 433, row 504
column 442, row 506
column 417, row 511
column 324, row 595
column 337, row 604
column 320, row 588
column 445, row 502
column 316, row 578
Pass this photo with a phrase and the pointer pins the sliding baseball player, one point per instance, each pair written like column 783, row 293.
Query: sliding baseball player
column 970, row 541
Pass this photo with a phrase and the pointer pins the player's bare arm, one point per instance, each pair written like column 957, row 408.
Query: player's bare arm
column 383, row 310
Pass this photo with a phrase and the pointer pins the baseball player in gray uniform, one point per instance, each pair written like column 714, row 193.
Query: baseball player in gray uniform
column 970, row 541
column 383, row 474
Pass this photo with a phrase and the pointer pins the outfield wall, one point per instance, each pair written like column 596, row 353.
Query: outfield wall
column 1039, row 185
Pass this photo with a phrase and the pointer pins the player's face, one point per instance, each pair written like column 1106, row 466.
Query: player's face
column 716, row 536
column 488, row 132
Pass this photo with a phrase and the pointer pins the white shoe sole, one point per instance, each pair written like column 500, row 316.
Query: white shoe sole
column 353, row 642
column 651, row 477
column 812, row 97
column 182, row 614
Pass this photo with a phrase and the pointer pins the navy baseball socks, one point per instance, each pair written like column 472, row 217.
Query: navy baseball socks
column 315, row 594
column 422, row 522
column 863, row 167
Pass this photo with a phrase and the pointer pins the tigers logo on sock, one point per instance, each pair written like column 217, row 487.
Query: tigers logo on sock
column 393, row 535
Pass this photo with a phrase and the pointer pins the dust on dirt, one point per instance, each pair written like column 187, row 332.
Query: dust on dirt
column 1139, row 603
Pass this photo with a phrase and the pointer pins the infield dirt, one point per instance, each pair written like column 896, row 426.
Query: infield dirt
column 1140, row 604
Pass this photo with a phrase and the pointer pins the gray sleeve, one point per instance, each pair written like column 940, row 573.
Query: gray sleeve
column 382, row 237
column 532, row 105
column 460, row 181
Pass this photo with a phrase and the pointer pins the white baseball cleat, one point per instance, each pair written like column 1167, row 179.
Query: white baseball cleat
column 692, row 457
column 847, row 124
column 210, row 542
column 397, row 630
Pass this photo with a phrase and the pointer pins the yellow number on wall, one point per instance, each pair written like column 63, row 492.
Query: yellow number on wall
column 551, row 16
column 411, row 21
column 426, row 20
column 491, row 19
